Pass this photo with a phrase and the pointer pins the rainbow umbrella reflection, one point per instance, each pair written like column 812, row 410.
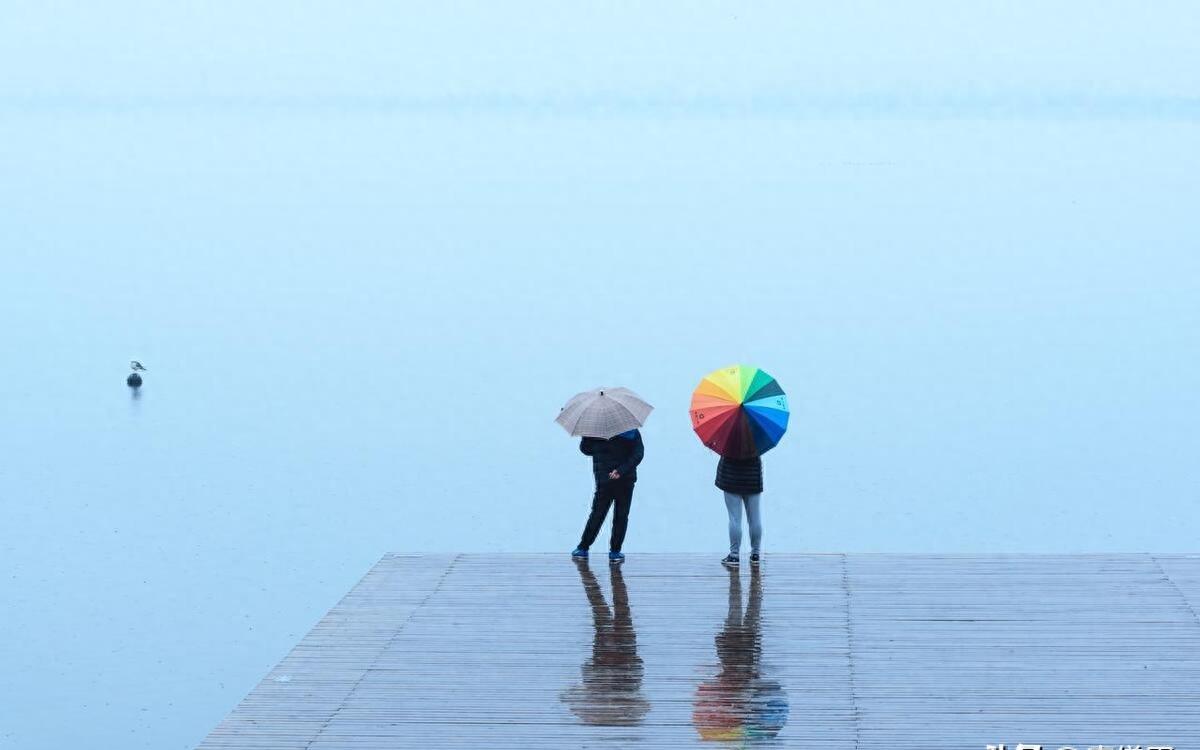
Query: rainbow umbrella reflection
column 740, row 705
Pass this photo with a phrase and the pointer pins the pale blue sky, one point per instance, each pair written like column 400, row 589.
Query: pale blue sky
column 367, row 250
column 751, row 54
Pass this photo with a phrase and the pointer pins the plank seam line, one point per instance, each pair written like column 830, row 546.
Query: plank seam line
column 1167, row 578
column 367, row 670
column 850, row 652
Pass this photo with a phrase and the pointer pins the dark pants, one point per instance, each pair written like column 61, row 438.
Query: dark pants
column 619, row 491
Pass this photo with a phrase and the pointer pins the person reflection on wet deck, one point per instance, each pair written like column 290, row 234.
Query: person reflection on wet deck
column 739, row 704
column 610, row 693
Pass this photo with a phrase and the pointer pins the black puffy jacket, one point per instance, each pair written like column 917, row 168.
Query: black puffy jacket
column 623, row 453
column 741, row 476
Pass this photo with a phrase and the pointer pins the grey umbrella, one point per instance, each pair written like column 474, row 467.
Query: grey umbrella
column 603, row 412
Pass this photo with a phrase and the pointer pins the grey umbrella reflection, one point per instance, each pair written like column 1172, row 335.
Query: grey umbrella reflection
column 740, row 705
column 610, row 691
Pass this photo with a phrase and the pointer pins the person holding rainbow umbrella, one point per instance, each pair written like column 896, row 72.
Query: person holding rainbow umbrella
column 740, row 412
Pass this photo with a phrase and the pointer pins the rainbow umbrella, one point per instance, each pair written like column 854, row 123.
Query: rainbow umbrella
column 739, row 411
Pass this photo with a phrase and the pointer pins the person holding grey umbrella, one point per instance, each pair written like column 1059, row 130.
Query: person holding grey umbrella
column 607, row 421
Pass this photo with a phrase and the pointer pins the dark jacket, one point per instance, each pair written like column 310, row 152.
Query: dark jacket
column 622, row 452
column 741, row 476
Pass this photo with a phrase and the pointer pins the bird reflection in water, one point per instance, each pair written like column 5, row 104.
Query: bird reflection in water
column 610, row 692
column 740, row 705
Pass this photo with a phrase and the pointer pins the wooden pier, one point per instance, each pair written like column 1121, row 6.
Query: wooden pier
column 672, row 651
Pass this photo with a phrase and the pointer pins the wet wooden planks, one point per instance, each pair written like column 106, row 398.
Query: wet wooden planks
column 1060, row 650
column 840, row 651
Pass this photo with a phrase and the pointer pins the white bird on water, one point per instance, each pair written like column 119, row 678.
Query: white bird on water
column 135, row 365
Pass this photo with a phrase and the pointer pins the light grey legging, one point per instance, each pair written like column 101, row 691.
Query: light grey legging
column 733, row 503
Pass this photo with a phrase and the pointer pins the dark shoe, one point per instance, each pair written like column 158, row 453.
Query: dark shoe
column 754, row 559
column 580, row 553
column 616, row 558
column 730, row 561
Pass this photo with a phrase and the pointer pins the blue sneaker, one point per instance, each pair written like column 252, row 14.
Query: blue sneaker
column 579, row 553
column 616, row 558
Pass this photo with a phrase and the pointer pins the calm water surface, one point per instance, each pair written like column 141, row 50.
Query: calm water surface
column 359, row 326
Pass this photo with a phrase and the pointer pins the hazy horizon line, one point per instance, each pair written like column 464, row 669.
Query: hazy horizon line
column 948, row 105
